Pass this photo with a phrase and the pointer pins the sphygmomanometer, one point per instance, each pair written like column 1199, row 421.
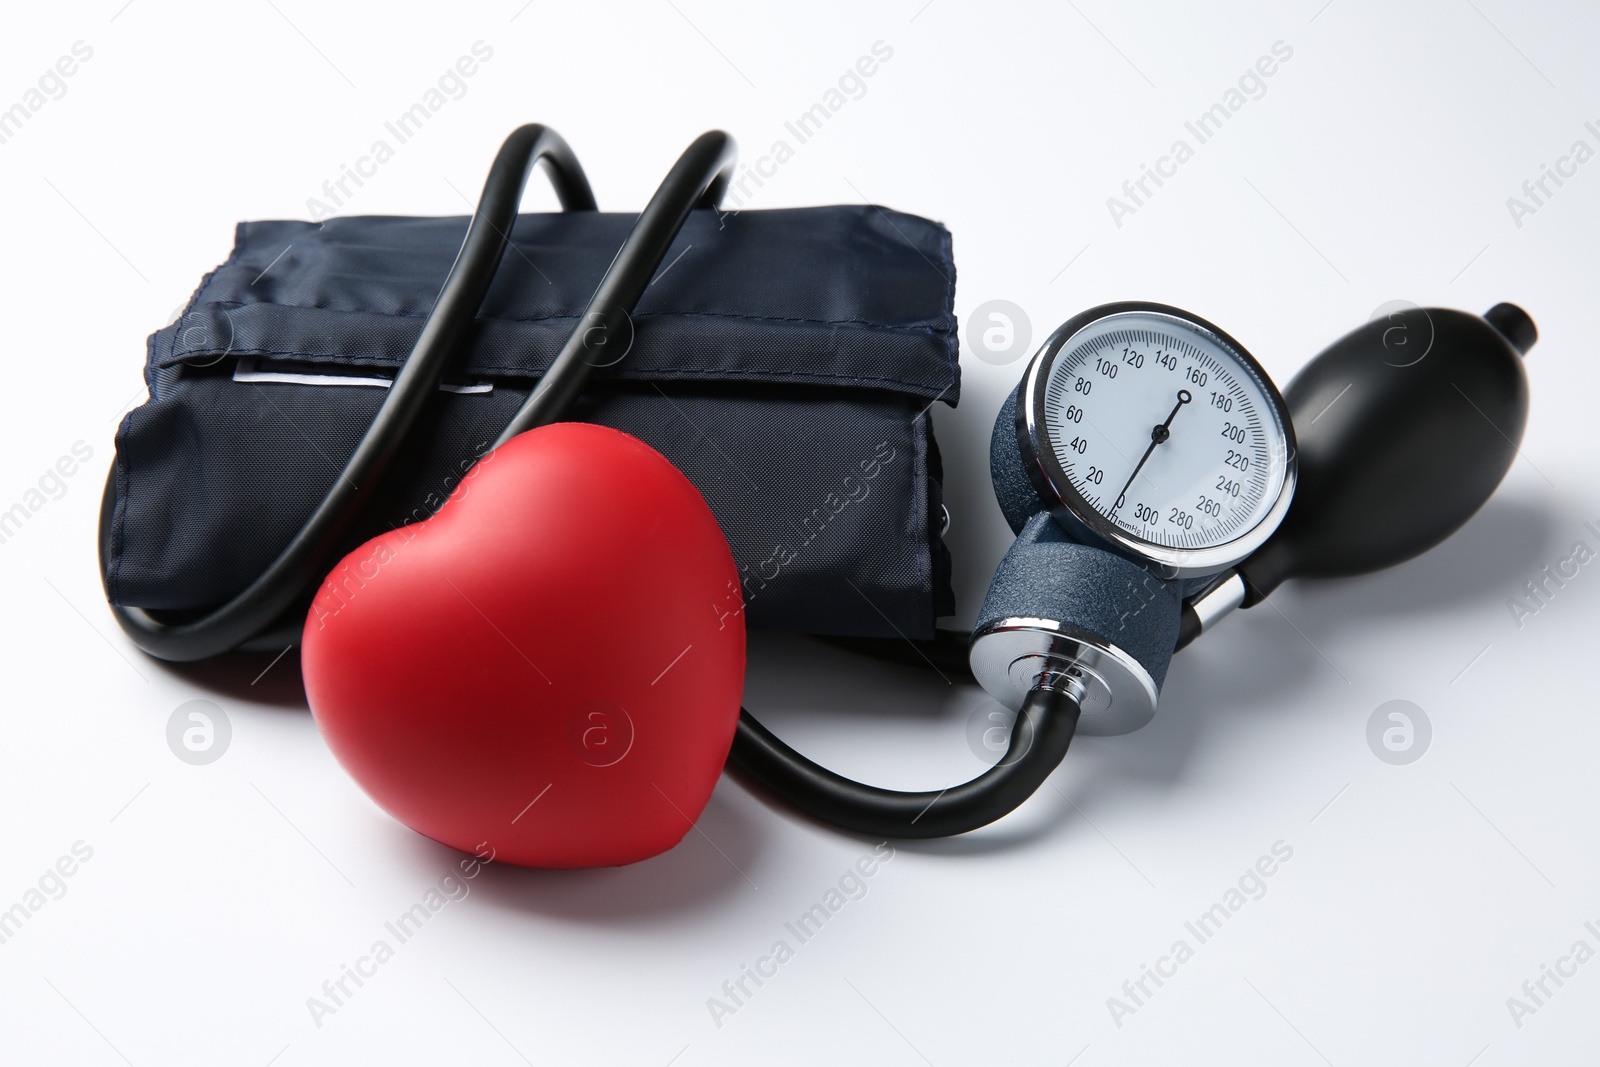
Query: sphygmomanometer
column 520, row 522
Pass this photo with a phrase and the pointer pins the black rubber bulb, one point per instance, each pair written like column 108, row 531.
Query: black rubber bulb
column 1405, row 427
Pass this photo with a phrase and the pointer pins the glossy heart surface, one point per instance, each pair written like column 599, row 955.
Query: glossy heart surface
column 547, row 670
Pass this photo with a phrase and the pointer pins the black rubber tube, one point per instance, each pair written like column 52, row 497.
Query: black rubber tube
column 698, row 179
column 1039, row 740
column 306, row 558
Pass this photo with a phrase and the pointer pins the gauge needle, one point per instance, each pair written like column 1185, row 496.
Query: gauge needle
column 1158, row 433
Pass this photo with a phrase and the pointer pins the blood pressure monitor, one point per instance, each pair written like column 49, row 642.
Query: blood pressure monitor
column 1143, row 455
column 1145, row 462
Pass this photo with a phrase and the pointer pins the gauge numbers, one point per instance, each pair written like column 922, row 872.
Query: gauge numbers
column 1164, row 431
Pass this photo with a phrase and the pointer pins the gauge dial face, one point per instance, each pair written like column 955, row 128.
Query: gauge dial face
column 1171, row 441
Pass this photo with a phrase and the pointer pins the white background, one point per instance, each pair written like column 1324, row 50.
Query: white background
column 1376, row 167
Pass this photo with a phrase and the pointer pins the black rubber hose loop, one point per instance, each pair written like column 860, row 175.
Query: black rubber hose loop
column 698, row 179
column 307, row 557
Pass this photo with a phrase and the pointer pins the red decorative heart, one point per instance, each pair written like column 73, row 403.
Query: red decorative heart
column 550, row 667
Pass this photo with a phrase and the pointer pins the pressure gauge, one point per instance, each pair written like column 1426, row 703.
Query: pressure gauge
column 1152, row 433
